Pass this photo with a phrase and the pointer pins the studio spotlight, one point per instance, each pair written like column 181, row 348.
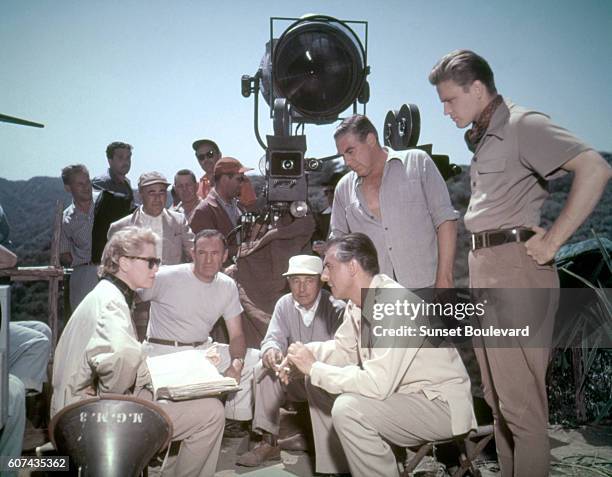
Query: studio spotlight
column 311, row 74
column 319, row 66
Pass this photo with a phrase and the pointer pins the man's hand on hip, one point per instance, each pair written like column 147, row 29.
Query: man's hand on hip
column 540, row 247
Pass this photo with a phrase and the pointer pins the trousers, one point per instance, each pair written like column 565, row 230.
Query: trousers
column 198, row 424
column 352, row 432
column 514, row 378
column 29, row 352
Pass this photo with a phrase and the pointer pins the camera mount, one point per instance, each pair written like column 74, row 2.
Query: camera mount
column 401, row 131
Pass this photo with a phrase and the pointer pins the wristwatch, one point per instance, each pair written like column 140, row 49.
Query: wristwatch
column 239, row 359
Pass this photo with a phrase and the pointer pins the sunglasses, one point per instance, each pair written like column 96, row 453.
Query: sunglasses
column 207, row 155
column 152, row 261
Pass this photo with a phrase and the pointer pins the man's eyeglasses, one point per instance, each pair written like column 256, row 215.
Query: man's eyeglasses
column 153, row 261
column 207, row 155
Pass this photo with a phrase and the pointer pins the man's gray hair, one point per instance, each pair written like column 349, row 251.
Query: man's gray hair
column 356, row 246
column 357, row 124
column 210, row 233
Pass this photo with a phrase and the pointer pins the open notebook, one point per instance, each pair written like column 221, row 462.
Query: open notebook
column 187, row 375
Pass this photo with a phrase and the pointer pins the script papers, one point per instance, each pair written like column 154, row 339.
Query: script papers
column 187, row 375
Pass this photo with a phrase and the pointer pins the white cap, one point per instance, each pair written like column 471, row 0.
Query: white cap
column 304, row 265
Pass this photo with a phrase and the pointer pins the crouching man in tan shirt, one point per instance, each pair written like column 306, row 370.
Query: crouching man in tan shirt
column 362, row 398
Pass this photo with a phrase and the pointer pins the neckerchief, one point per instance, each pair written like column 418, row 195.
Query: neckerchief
column 480, row 126
column 127, row 292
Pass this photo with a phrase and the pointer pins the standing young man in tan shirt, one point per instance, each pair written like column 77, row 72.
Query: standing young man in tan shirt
column 515, row 152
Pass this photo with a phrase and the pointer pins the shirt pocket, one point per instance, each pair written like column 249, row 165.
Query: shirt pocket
column 491, row 179
column 491, row 166
column 411, row 192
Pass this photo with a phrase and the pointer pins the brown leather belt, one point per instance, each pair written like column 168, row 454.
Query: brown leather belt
column 174, row 343
column 500, row 237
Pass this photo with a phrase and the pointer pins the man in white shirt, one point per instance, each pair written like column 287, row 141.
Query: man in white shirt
column 187, row 300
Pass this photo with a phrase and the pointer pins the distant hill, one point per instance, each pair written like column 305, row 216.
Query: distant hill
column 29, row 206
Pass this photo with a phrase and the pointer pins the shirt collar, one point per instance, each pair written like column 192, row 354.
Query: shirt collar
column 89, row 211
column 392, row 155
column 314, row 306
column 232, row 203
column 123, row 287
column 499, row 120
column 115, row 178
column 150, row 217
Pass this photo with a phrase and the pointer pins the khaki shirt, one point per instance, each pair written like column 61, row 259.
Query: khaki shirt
column 520, row 151
column 436, row 372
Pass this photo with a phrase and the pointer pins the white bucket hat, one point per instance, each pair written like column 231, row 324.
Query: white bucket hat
column 304, row 265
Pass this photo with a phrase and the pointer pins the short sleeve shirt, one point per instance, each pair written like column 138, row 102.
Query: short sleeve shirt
column 184, row 308
column 519, row 153
column 75, row 236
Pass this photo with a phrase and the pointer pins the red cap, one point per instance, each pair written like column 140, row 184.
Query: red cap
column 229, row 165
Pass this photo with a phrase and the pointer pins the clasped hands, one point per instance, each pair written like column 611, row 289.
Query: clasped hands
column 299, row 358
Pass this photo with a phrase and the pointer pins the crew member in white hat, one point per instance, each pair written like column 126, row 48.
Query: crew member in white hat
column 306, row 314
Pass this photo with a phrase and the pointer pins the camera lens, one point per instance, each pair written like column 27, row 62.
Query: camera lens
column 287, row 164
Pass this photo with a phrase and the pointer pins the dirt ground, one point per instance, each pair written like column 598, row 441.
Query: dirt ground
column 584, row 451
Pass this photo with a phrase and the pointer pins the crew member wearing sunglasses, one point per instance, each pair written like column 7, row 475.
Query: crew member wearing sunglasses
column 99, row 352
column 208, row 153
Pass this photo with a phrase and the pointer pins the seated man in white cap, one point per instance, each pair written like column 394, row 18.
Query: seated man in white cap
column 306, row 314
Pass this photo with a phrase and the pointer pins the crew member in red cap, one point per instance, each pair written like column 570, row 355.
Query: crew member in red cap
column 208, row 153
column 221, row 209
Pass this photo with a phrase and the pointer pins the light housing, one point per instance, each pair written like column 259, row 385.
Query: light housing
column 319, row 66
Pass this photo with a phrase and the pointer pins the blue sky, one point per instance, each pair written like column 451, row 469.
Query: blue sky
column 159, row 74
